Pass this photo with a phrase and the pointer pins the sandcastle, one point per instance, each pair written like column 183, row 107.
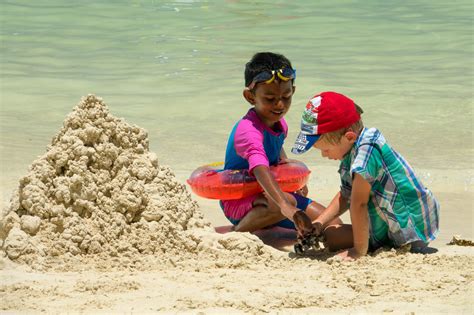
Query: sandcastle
column 99, row 192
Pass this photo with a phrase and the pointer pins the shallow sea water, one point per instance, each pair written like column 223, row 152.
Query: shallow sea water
column 175, row 68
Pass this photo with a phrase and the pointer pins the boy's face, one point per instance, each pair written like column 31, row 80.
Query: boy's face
column 271, row 101
column 336, row 151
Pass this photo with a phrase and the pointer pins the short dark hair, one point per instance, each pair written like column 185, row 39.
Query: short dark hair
column 264, row 61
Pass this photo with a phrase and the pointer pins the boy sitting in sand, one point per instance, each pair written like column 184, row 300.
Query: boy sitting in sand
column 388, row 203
column 256, row 142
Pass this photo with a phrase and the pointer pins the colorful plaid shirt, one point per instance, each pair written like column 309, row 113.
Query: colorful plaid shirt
column 401, row 209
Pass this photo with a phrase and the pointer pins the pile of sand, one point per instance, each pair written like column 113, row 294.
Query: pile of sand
column 99, row 194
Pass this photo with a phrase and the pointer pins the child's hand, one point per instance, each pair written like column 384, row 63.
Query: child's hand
column 349, row 255
column 303, row 224
column 318, row 229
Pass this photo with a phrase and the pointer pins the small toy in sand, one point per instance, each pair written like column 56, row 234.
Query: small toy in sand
column 457, row 240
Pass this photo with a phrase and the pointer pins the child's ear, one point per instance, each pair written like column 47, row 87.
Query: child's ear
column 249, row 96
column 351, row 136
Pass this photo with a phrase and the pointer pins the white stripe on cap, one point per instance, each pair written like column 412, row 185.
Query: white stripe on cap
column 316, row 101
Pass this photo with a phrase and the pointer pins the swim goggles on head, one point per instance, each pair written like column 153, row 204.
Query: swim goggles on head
column 284, row 74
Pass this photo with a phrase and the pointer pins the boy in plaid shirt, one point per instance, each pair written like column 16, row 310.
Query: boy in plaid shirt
column 389, row 206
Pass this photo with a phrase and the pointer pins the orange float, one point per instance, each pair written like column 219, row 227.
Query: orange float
column 210, row 182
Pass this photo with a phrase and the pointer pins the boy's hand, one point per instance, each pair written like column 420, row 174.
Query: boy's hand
column 303, row 224
column 317, row 229
column 349, row 255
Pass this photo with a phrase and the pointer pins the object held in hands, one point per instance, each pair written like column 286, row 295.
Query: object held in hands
column 307, row 243
column 309, row 235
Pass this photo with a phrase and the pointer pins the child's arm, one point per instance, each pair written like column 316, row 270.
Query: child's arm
column 303, row 191
column 273, row 191
column 359, row 217
column 249, row 144
column 337, row 207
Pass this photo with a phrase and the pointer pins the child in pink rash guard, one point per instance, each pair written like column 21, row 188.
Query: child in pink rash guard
column 256, row 143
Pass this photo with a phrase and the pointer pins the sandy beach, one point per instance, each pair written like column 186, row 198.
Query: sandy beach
column 98, row 225
column 388, row 283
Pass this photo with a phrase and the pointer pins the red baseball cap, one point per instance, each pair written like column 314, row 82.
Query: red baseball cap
column 325, row 112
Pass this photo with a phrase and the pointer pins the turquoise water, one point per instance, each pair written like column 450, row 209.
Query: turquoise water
column 176, row 69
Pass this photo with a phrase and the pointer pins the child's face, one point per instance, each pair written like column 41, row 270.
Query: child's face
column 272, row 101
column 336, row 151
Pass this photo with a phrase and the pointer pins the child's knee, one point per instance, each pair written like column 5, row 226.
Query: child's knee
column 338, row 237
column 271, row 205
column 315, row 209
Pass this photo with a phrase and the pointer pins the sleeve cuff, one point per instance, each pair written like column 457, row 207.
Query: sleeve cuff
column 257, row 160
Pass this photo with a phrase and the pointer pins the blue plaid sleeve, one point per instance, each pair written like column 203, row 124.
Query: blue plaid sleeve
column 368, row 163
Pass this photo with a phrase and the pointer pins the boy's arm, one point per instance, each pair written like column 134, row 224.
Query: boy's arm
column 303, row 191
column 249, row 144
column 337, row 207
column 359, row 218
column 273, row 191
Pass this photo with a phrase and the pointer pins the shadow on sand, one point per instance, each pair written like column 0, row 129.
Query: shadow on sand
column 284, row 240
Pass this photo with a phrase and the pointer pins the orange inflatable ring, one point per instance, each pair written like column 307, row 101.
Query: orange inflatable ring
column 210, row 182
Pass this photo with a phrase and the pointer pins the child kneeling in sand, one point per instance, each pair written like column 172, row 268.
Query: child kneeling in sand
column 388, row 204
column 256, row 142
